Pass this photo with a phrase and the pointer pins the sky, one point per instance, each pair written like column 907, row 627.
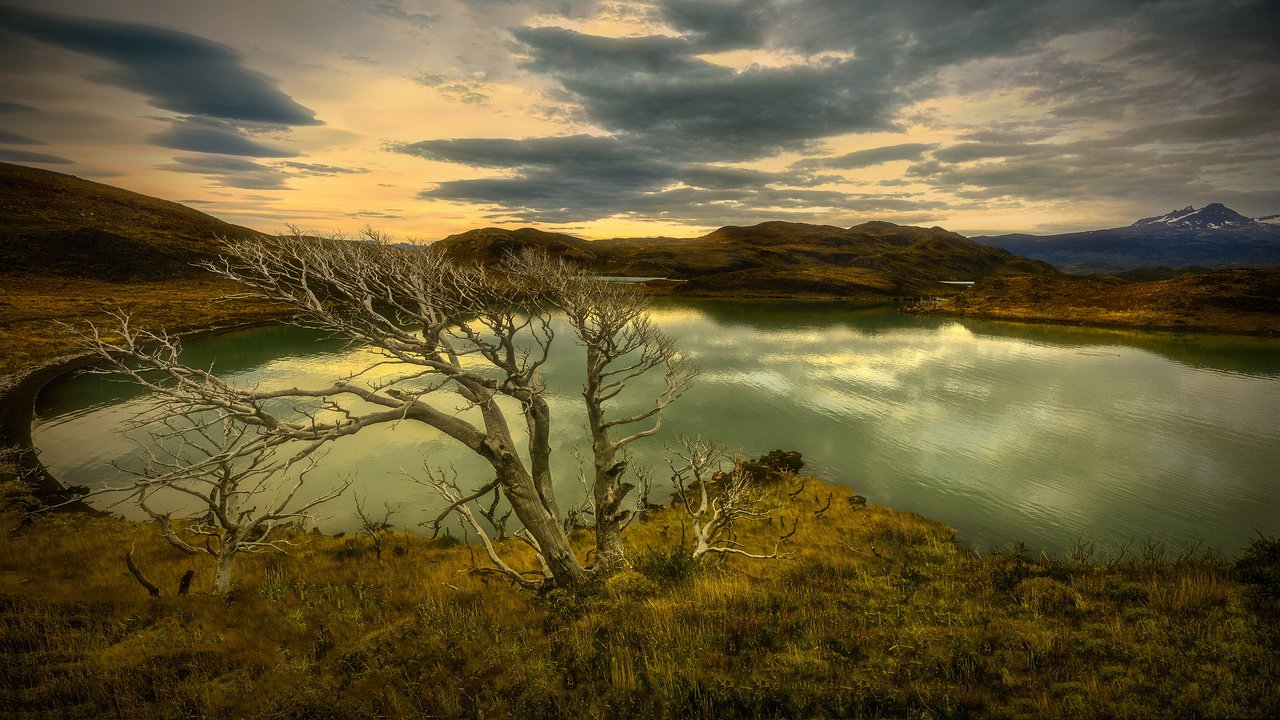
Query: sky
column 610, row 118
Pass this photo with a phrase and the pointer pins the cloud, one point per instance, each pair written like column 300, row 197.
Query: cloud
column 13, row 107
column 22, row 156
column 583, row 177
column 211, row 136
column 1093, row 170
column 176, row 71
column 230, row 172
column 318, row 169
column 1240, row 117
column 966, row 152
column 394, row 9
column 373, row 214
column 869, row 157
column 676, row 116
column 720, row 24
column 657, row 89
column 464, row 89
column 13, row 138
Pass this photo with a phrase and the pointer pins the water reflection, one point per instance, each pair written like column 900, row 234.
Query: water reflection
column 1007, row 432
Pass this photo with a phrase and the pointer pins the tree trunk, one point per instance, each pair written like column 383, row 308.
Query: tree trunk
column 544, row 527
column 608, row 494
column 222, row 573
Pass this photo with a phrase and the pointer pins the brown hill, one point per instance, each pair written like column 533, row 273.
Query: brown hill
column 56, row 224
column 1236, row 301
column 875, row 260
column 493, row 244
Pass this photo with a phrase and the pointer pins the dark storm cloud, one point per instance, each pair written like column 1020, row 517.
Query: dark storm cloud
column 558, row 179
column 556, row 49
column 1207, row 39
column 720, row 24
column 1243, row 116
column 1089, row 170
column 176, row 71
column 22, row 156
column 13, row 138
column 920, row 34
column 230, row 172
column 204, row 135
column 13, row 107
column 599, row 156
column 675, row 117
column 655, row 88
column 394, row 9
column 869, row 157
column 965, row 152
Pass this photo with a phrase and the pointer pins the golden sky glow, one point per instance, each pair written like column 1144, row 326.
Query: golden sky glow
column 663, row 117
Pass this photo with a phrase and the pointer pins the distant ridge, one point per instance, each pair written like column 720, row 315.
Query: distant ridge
column 874, row 260
column 1214, row 236
column 57, row 224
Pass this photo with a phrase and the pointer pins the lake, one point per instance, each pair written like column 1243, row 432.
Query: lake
column 1007, row 432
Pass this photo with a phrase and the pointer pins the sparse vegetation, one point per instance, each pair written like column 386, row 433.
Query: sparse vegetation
column 1234, row 301
column 877, row 614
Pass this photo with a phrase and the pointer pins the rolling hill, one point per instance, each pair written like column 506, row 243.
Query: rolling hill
column 875, row 260
column 56, row 224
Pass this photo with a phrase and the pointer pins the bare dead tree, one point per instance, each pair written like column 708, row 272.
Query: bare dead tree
column 611, row 320
column 715, row 495
column 242, row 488
column 375, row 526
column 447, row 331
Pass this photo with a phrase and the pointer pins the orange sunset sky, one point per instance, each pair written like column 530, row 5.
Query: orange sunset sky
column 626, row 118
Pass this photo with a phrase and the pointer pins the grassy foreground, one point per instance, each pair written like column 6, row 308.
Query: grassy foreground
column 876, row 614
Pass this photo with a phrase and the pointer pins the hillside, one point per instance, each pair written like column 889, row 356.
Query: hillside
column 1236, row 301
column 1214, row 236
column 56, row 224
column 875, row 260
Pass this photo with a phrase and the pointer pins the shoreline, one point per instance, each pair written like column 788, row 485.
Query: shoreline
column 19, row 388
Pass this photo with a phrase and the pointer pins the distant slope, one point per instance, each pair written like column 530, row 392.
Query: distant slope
column 56, row 224
column 872, row 260
column 1236, row 301
column 493, row 244
column 1214, row 236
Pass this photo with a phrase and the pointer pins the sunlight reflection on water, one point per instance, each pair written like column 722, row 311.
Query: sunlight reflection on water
column 1004, row 432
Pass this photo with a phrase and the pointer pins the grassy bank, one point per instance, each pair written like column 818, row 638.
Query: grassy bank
column 876, row 613
column 1225, row 301
column 32, row 306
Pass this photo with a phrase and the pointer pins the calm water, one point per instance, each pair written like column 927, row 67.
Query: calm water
column 1006, row 432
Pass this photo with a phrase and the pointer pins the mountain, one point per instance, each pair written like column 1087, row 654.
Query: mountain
column 1214, row 236
column 873, row 260
column 56, row 224
column 1213, row 216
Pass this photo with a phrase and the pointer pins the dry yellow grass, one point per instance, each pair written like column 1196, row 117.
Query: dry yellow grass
column 1231, row 301
column 31, row 308
column 875, row 613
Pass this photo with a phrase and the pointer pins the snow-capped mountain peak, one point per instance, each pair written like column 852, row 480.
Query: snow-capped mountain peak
column 1213, row 216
